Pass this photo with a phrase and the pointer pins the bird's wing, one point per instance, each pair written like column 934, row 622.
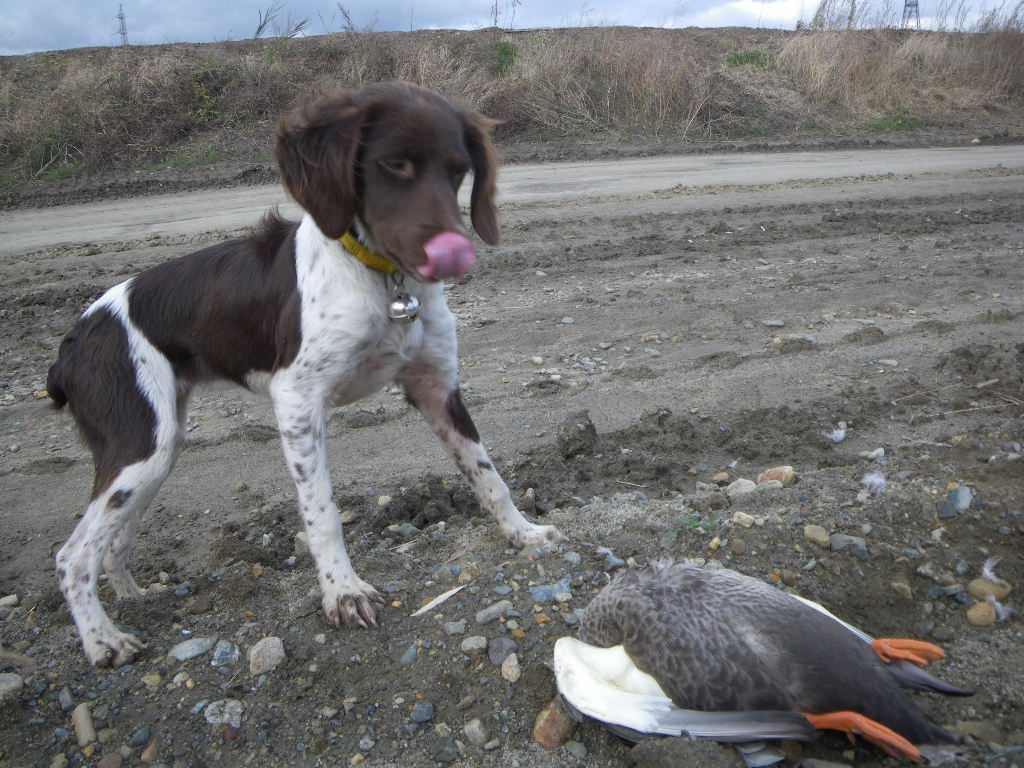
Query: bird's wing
column 603, row 683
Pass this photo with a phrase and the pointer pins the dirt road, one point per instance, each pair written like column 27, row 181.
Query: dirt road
column 704, row 310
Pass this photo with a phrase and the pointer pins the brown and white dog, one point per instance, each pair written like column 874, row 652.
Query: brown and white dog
column 292, row 312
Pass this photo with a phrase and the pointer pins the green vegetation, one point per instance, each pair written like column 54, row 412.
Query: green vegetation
column 900, row 120
column 755, row 59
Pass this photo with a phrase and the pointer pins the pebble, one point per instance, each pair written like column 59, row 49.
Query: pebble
column 11, row 685
column 455, row 627
column 817, row 535
column 737, row 547
column 85, row 731
column 981, row 614
column 773, row 323
column 855, row 545
column 612, row 562
column 902, row 588
column 149, row 754
column 961, row 498
column 225, row 653
column 59, row 761
column 576, row 435
column 784, row 474
column 113, row 760
column 475, row 732
column 409, row 656
column 499, row 649
column 445, row 750
column 225, row 712
column 577, row 749
column 152, row 680
column 423, row 712
column 266, row 655
column 568, row 320
column 301, row 544
column 553, row 726
column 740, row 487
column 493, row 612
column 189, row 649
column 511, row 671
column 140, row 738
column 8, row 601
column 66, row 701
column 722, row 478
column 474, row 646
column 982, row 588
column 743, row 520
column 545, row 593
column 983, row 730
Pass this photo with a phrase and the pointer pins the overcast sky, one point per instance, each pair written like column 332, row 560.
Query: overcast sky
column 43, row 25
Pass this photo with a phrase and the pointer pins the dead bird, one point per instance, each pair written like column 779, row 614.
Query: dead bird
column 675, row 649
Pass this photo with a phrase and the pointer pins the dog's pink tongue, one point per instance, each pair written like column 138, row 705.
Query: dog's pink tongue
column 448, row 255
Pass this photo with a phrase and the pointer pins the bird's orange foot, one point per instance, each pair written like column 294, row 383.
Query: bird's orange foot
column 855, row 723
column 899, row 649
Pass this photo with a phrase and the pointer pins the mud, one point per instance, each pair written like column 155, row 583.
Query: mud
column 910, row 311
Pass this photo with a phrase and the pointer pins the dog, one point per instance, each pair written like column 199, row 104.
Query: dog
column 315, row 314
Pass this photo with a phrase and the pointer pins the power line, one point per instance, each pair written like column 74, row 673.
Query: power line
column 911, row 13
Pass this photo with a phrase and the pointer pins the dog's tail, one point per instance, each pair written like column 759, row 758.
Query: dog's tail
column 54, row 388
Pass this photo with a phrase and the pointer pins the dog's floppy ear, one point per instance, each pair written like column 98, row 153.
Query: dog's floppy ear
column 485, row 174
column 316, row 151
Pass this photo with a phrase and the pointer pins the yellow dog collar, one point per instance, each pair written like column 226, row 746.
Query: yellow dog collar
column 375, row 261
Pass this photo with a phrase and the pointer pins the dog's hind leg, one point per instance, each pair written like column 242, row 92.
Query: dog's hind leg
column 440, row 402
column 115, row 562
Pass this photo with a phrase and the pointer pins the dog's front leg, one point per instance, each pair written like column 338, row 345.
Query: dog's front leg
column 302, row 423
column 440, row 402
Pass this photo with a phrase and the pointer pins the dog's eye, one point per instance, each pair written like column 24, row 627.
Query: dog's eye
column 403, row 169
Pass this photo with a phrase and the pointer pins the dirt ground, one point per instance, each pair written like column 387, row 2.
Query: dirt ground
column 704, row 328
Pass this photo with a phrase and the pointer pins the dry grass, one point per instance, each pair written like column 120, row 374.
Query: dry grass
column 100, row 108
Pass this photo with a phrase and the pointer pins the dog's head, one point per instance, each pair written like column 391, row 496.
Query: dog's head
column 393, row 155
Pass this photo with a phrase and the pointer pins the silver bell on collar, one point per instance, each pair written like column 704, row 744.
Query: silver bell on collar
column 404, row 307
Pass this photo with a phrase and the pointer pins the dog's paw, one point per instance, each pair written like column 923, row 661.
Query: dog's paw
column 111, row 647
column 352, row 602
column 537, row 539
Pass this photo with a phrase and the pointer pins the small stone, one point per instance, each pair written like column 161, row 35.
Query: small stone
column 301, row 544
column 902, row 588
column 784, row 474
column 474, row 646
column 81, row 719
column 499, row 649
column 409, row 656
column 545, row 593
column 11, row 685
column 8, row 601
column 568, row 320
column 266, row 655
column 773, row 323
column 65, row 699
column 981, row 614
column 445, row 750
column 225, row 654
column 149, row 754
column 466, row 702
column 553, row 726
column 493, row 612
column 740, row 487
column 152, row 680
column 743, row 520
column 722, row 478
column 855, row 545
column 792, row 342
column 225, row 712
column 817, row 535
column 475, row 732
column 422, row 712
column 383, row 500
column 189, row 649
column 510, row 669
column 980, row 589
column 140, row 738
column 455, row 627
column 59, row 761
column 576, row 435
column 537, row 360
column 577, row 749
column 112, row 760
column 961, row 498
column 737, row 546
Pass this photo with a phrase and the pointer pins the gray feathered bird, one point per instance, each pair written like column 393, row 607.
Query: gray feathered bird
column 672, row 648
